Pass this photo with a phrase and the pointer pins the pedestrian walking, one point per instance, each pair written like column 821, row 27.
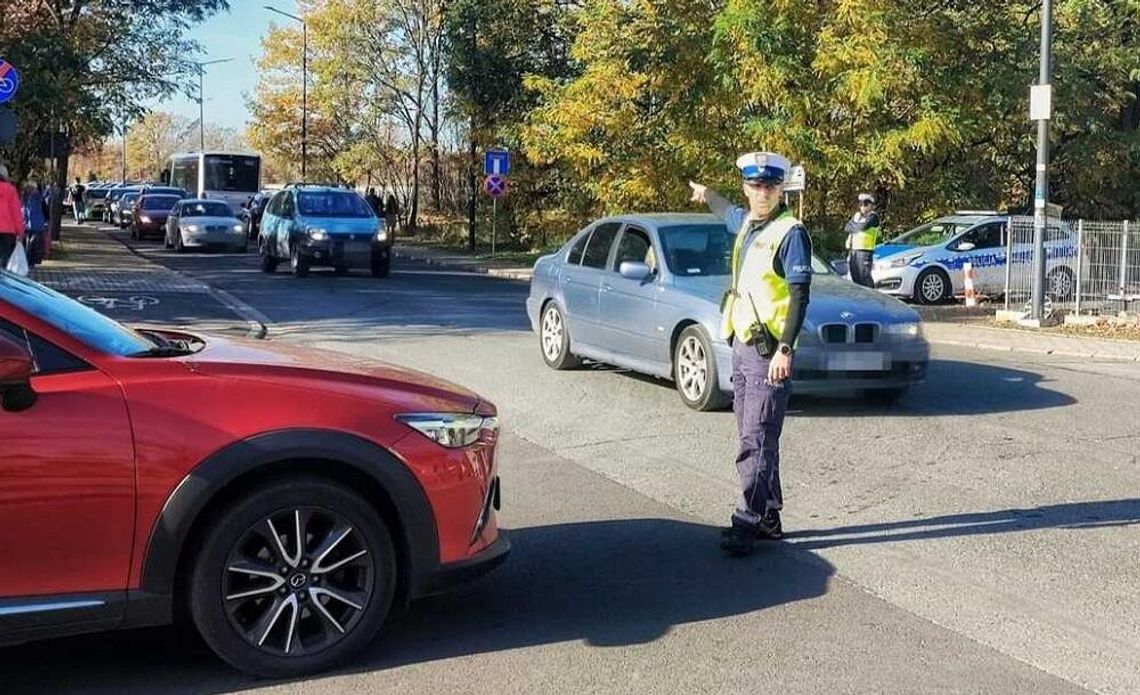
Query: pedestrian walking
column 35, row 224
column 373, row 201
column 862, row 235
column 11, row 218
column 391, row 215
column 763, row 312
column 77, row 191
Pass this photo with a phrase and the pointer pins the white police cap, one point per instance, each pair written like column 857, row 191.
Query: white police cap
column 762, row 166
column 866, row 197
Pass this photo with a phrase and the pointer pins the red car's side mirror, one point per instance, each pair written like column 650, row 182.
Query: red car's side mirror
column 16, row 367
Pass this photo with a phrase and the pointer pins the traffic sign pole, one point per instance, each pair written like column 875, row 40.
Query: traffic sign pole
column 494, row 220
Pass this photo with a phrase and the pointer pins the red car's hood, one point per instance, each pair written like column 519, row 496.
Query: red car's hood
column 262, row 359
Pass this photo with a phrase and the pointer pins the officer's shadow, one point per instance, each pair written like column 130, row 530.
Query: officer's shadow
column 608, row 583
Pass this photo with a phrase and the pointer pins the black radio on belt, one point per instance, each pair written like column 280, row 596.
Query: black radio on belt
column 764, row 342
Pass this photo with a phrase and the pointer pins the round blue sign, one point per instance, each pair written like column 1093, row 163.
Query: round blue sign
column 9, row 81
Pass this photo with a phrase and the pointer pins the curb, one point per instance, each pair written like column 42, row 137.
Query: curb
column 1056, row 352
column 516, row 275
column 256, row 322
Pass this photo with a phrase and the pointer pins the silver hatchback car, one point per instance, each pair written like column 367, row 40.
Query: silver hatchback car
column 643, row 292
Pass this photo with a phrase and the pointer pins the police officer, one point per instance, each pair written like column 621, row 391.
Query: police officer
column 763, row 312
column 862, row 235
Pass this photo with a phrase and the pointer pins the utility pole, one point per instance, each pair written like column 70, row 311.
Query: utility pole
column 202, row 99
column 1041, row 106
column 304, row 87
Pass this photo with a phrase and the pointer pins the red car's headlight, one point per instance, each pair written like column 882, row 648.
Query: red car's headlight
column 452, row 430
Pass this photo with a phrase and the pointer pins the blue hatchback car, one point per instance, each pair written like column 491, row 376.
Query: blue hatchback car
column 310, row 226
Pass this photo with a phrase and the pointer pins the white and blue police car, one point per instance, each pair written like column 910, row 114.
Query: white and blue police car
column 926, row 263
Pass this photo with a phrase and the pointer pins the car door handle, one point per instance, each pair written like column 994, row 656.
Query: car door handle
column 607, row 288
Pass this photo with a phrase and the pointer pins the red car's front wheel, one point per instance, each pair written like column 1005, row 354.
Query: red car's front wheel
column 293, row 577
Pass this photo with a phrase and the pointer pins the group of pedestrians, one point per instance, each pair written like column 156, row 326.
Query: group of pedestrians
column 24, row 215
column 388, row 209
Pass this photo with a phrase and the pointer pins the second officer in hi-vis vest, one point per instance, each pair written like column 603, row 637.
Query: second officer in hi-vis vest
column 862, row 235
column 763, row 312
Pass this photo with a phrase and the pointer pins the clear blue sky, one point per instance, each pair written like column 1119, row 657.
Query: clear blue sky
column 235, row 34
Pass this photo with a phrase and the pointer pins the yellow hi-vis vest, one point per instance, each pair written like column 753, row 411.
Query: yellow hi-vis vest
column 864, row 239
column 758, row 295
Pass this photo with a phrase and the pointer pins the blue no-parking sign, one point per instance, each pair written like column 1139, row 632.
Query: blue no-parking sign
column 9, row 81
column 496, row 163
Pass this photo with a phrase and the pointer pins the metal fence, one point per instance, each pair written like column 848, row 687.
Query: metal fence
column 1090, row 267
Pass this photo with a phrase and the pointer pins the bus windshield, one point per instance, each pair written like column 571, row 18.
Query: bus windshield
column 232, row 173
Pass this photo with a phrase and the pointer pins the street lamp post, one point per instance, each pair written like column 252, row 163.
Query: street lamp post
column 304, row 87
column 202, row 99
column 1041, row 192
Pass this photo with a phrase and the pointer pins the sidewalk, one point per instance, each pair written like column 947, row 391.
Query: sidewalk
column 104, row 274
column 957, row 327
column 454, row 260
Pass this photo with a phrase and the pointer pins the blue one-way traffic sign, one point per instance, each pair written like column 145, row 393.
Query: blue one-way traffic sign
column 496, row 163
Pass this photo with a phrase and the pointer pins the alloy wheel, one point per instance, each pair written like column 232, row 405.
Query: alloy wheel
column 298, row 581
column 932, row 288
column 692, row 368
column 552, row 332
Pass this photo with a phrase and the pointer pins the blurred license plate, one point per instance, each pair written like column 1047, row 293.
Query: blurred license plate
column 858, row 362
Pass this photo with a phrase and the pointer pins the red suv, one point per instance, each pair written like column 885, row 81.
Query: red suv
column 283, row 501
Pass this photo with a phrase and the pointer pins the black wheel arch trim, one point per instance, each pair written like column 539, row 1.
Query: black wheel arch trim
column 171, row 531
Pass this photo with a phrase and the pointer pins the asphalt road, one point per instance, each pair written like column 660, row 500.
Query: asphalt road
column 979, row 537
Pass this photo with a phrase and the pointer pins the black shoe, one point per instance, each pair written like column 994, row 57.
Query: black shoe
column 770, row 527
column 738, row 541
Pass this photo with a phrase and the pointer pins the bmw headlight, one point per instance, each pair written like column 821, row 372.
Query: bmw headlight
column 452, row 430
column 144, row 219
column 238, row 228
column 908, row 329
column 192, row 228
column 317, row 234
column 382, row 233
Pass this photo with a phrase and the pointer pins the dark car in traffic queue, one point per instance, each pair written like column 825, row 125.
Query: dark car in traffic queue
column 283, row 503
column 149, row 214
column 252, row 212
column 114, row 201
column 124, row 208
column 314, row 225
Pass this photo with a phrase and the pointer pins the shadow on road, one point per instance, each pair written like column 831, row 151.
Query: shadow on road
column 951, row 388
column 1072, row 516
column 609, row 583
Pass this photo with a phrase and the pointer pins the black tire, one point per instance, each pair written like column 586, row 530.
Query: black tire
column 298, row 263
column 381, row 264
column 1061, row 286
column 322, row 508
column 178, row 245
column 932, row 286
column 166, row 242
column 554, row 339
column 268, row 262
column 695, row 371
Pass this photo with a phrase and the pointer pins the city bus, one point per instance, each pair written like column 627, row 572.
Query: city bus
column 229, row 176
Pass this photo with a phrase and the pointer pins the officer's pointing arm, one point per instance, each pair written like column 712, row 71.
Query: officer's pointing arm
column 732, row 215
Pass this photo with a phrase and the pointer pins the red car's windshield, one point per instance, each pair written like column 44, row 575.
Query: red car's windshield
column 83, row 323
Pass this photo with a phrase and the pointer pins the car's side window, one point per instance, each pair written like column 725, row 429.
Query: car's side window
column 984, row 237
column 634, row 246
column 598, row 249
column 576, row 251
column 274, row 204
column 48, row 357
column 286, row 205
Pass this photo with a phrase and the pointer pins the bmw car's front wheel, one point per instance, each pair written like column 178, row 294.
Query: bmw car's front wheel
column 695, row 372
column 292, row 578
column 554, row 339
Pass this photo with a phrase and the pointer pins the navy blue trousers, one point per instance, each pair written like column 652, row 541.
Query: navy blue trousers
column 760, row 408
